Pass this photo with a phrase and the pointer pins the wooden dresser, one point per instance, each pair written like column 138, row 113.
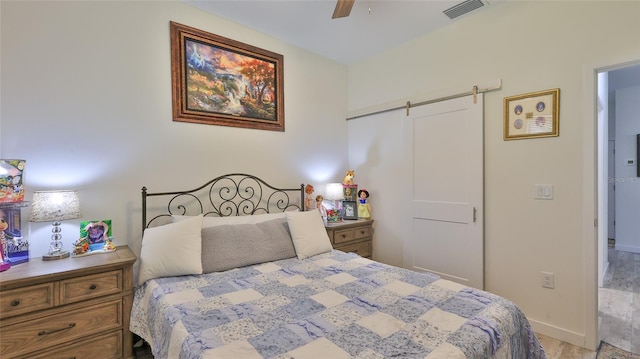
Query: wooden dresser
column 68, row 308
column 352, row 236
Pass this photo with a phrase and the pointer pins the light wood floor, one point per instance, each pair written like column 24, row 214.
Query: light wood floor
column 557, row 349
column 619, row 311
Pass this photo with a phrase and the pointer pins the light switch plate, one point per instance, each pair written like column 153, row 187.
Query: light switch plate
column 543, row 191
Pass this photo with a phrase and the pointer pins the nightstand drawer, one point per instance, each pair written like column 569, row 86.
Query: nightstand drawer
column 362, row 249
column 91, row 286
column 362, row 232
column 35, row 335
column 342, row 236
column 26, row 300
column 107, row 345
column 352, row 236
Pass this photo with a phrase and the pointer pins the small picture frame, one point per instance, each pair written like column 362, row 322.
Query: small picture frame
column 95, row 237
column 349, row 210
column 532, row 115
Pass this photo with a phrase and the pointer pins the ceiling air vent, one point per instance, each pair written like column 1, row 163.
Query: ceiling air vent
column 463, row 8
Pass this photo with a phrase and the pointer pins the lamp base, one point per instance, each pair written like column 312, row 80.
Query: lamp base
column 56, row 255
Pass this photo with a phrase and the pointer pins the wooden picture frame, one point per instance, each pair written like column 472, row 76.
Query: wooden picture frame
column 219, row 81
column 532, row 115
column 349, row 210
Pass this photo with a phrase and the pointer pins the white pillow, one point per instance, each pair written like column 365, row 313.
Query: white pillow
column 308, row 233
column 171, row 250
column 213, row 221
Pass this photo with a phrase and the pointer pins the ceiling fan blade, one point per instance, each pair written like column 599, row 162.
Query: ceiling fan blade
column 343, row 8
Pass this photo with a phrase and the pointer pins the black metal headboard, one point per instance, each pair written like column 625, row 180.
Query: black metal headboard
column 235, row 194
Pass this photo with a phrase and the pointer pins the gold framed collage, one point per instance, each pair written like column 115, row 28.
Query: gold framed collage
column 532, row 115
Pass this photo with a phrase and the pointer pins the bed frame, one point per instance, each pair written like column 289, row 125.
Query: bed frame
column 235, row 194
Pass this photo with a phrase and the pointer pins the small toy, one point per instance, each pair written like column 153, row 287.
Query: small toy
column 348, row 178
column 321, row 207
column 309, row 203
column 82, row 247
column 11, row 187
column 364, row 208
column 4, row 262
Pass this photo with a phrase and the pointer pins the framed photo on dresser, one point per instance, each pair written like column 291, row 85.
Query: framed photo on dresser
column 349, row 210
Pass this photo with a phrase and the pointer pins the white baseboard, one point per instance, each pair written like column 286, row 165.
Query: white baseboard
column 632, row 249
column 558, row 333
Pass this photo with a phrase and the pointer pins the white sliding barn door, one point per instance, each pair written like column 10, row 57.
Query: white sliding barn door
column 444, row 141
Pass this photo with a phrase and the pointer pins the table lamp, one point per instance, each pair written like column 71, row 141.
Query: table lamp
column 55, row 206
column 335, row 194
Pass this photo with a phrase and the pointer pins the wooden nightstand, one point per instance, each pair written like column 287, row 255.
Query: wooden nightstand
column 68, row 308
column 352, row 236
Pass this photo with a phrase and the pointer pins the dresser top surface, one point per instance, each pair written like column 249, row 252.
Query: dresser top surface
column 39, row 271
column 346, row 223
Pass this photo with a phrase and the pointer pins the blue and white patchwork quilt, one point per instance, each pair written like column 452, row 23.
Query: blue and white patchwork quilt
column 333, row 305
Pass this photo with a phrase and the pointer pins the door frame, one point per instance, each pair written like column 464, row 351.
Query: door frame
column 592, row 173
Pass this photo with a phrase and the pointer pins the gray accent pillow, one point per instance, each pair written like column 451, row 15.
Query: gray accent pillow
column 237, row 245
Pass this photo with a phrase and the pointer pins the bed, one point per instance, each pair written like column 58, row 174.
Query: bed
column 235, row 269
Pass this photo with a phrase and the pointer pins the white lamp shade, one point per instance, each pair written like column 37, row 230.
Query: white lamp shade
column 334, row 192
column 49, row 206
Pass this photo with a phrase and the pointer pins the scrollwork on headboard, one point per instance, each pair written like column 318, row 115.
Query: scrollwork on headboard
column 235, row 194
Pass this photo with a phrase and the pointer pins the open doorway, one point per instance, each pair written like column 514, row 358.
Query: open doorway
column 618, row 205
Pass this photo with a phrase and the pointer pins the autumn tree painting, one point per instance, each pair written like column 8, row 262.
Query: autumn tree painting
column 225, row 82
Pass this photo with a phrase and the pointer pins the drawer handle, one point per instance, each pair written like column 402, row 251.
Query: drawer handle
column 15, row 302
column 362, row 232
column 93, row 286
column 343, row 235
column 45, row 332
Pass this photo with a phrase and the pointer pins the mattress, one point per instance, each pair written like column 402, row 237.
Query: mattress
column 331, row 305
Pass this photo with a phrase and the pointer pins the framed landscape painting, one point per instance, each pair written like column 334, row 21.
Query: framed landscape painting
column 219, row 81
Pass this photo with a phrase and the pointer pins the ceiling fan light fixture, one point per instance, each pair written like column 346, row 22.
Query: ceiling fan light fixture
column 463, row 8
column 343, row 8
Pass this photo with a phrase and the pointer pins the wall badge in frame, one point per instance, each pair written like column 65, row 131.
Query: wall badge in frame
column 531, row 115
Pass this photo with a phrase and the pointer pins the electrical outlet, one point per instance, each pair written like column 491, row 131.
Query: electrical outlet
column 548, row 280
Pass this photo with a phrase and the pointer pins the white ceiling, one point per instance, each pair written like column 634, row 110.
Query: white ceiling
column 308, row 24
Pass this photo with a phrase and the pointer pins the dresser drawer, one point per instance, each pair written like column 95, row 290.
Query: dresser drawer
column 362, row 232
column 351, row 234
column 91, row 286
column 341, row 236
column 26, row 300
column 37, row 334
column 362, row 249
column 107, row 345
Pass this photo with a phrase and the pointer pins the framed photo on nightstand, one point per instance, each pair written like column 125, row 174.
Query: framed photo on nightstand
column 349, row 210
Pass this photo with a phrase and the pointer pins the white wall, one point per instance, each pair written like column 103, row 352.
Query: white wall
column 531, row 46
column 86, row 100
column 627, row 183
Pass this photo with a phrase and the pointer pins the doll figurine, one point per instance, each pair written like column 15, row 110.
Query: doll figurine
column 364, row 208
column 4, row 261
column 321, row 208
column 309, row 203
